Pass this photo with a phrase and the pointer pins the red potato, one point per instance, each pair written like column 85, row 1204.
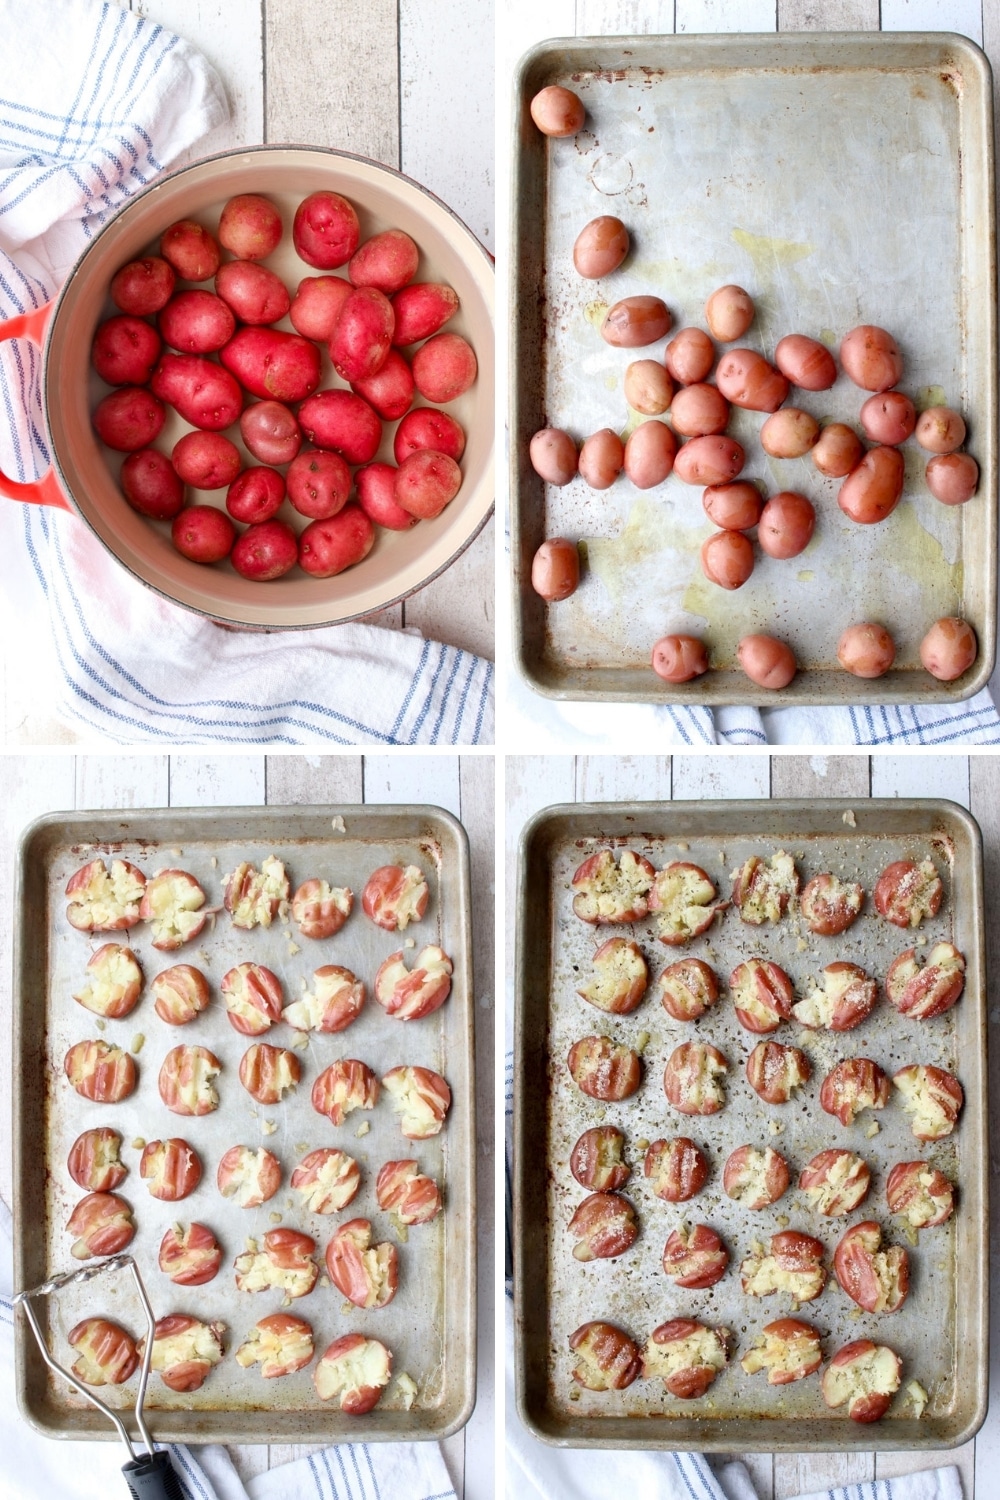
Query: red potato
column 375, row 485
column 866, row 650
column 114, row 982
column 191, row 250
column 151, row 485
column 677, row 1169
column 927, row 989
column 786, row 525
column 404, row 1191
column 186, row 1081
column 864, row 1377
column 775, row 1071
column 838, row 450
column 94, row 1162
column 603, row 1069
column 687, row 989
column 755, row 1179
column 420, row 310
column 250, row 227
column 679, row 658
column 256, row 295
column 444, row 368
column 106, row 1353
column 952, row 478
column 411, row 994
column 342, row 541
column 102, row 1224
column 689, row 356
column 734, row 507
column 692, row 1078
column 316, row 306
column 391, row 389
column 280, row 1344
column 596, row 1159
column 171, row 1169
column 355, row 1369
column 335, row 1001
column 173, row 903
column 606, row 1358
column 830, row 905
column 250, row 1177
column 319, row 483
column 266, row 551
column 835, row 1182
column 325, row 230
column 789, row 433
column 763, row 889
column 620, row 977
column 100, row 1072
column 788, row 1349
column 685, row 902
column 600, row 247
column 855, row 1084
column 609, row 892
column 746, row 379
column 270, row 432
column 699, row 411
column 253, row 998
column 388, row 261
column 366, row 1274
column 426, row 482
column 326, row 1180
column 206, row 460
column 184, row 1351
column 877, row 1280
column 129, row 419
column 143, row 286
column 794, row 1265
column 436, row 430
column 871, row 358
column 362, row 335
column 125, row 351
column 421, row 1098
column 635, row 321
column 394, row 896
column 934, row 1098
column 270, row 363
column 709, row 460
column 906, row 892
column 940, row 429
column 203, row 534
column 729, row 312
column 344, row 422
column 845, row 996
column 604, row 1227
column 180, row 994
column 648, row 388
column 762, row 995
column 256, row 495
column 196, row 323
column 694, row 1258
column 949, row 648
column 551, row 452
column 344, row 1086
column 191, row 1256
column 920, row 1194
column 649, row 454
column 727, row 559
column 284, row 1263
column 268, row 1073
column 888, row 418
column 320, row 910
column 766, row 661
column 805, row 362
column 204, row 394
column 602, row 459
column 687, row 1356
column 557, row 111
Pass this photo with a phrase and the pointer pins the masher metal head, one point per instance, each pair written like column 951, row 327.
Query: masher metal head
column 149, row 1476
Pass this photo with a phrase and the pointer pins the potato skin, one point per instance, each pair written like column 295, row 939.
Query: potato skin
column 940, row 429
column 557, row 111
column 608, row 1360
column 729, row 312
column 604, row 1227
column 316, row 306
column 376, row 490
column 596, row 1160
column 602, row 1069
column 143, row 286
column 866, row 650
column 555, row 569
column 421, row 310
column 727, row 559
column 949, row 648
column 362, row 335
column 600, row 247
column 648, row 387
column 129, row 419
column 265, row 551
column 877, row 1280
column 391, row 389
column 250, row 226
column 690, row 1078
column 325, row 230
column 553, row 455
column 766, row 661
column 874, row 488
column 636, row 321
column 734, row 507
column 342, row 421
column 602, row 459
column 906, row 892
column 679, row 658
column 444, row 368
column 151, row 484
column 746, row 379
column 805, row 362
column 270, row 432
column 205, row 395
column 677, row 1169
column 688, row 988
column 328, row 546
column 709, row 460
column 699, row 411
column 695, row 1258
column 952, row 478
column 191, row 250
column 196, row 323
column 854, row 1084
column 786, row 524
column 206, row 460
column 774, row 1071
column 256, row 295
column 125, row 350
column 203, row 534
column 649, row 454
column 426, row 482
column 837, row 451
column 829, row 906
column 888, row 418
column 870, row 357
column 689, row 356
column 789, row 433
column 388, row 261
column 426, row 427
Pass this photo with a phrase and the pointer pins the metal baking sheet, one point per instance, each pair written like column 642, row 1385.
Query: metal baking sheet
column 430, row 1325
column 842, row 179
column 941, row 1331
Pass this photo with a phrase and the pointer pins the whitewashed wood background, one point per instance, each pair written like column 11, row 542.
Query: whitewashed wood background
column 464, row 785
column 534, row 782
column 405, row 82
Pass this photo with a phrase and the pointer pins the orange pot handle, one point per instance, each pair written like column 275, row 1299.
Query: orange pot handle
column 44, row 491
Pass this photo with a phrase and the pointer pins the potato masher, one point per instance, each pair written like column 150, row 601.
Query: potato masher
column 150, row 1475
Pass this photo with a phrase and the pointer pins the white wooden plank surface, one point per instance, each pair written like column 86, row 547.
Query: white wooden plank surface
column 965, row 16
column 697, row 776
column 217, row 780
column 622, row 778
column 413, row 778
column 921, row 776
column 122, row 780
column 624, row 17
column 698, row 16
column 828, row 15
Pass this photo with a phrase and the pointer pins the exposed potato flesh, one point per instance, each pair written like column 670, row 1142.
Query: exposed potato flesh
column 604, row 1069
column 103, row 900
column 319, row 909
column 172, row 903
column 845, row 996
column 357, row 1370
column 692, row 1078
column 687, row 1356
column 410, row 994
column 268, row 1073
column 835, row 1182
column 420, row 1097
column 596, row 1159
column 877, row 1280
column 184, row 1350
column 762, row 995
column 924, row 990
column 180, row 994
column 94, row 1161
column 755, row 1178
column 190, row 1255
column 774, row 1071
column 286, row 1262
column 114, row 982
column 366, row 1274
column 343, row 1087
column 920, row 1194
column 620, row 977
column 280, row 1344
column 906, row 892
column 604, row 1226
column 253, row 997
column 250, row 1177
column 688, row 988
column 677, row 1169
column 335, row 1000
column 864, row 1377
column 100, row 1072
column 853, row 1085
column 186, row 1081
column 830, row 905
column 794, row 1266
column 402, row 1189
column 787, row 1349
column 694, row 1257
column 326, row 1180
column 106, row 1353
column 763, row 889
column 684, row 900
column 606, row 1358
column 610, row 891
column 252, row 897
column 932, row 1097
column 394, row 896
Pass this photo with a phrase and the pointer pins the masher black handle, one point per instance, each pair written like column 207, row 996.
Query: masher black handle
column 153, row 1477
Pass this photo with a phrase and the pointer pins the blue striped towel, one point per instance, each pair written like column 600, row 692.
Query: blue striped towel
column 33, row 1465
column 92, row 106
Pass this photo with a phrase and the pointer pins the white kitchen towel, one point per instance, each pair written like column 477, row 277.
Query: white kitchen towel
column 34, row 1465
column 536, row 1470
column 95, row 101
